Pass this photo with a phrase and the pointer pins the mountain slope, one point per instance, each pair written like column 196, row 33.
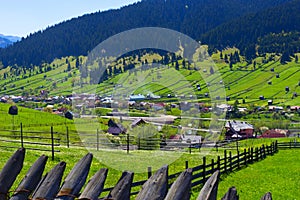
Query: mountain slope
column 7, row 40
column 10, row 38
column 244, row 32
column 4, row 42
column 80, row 35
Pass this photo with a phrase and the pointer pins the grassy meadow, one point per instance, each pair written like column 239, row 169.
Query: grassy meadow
column 139, row 161
column 121, row 161
column 277, row 174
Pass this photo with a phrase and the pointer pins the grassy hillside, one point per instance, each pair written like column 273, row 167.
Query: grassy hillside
column 58, row 80
column 275, row 174
column 248, row 83
column 242, row 81
column 28, row 116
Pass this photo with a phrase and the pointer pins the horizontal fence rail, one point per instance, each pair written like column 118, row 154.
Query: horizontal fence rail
column 293, row 144
column 31, row 140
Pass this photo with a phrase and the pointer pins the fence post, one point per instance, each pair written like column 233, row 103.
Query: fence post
column 225, row 161
column 272, row 148
column 22, row 141
column 190, row 148
column 219, row 164
column 97, row 139
column 245, row 157
column 252, row 155
column 149, row 172
column 230, row 161
column 212, row 166
column 238, row 157
column 186, row 164
column 52, row 142
column 128, row 143
column 204, row 169
column 139, row 143
column 68, row 139
column 256, row 154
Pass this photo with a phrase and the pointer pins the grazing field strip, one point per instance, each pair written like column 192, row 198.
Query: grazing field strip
column 275, row 174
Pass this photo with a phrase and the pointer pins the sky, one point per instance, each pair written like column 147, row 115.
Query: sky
column 22, row 17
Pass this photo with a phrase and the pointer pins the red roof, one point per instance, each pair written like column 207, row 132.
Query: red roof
column 274, row 133
column 175, row 137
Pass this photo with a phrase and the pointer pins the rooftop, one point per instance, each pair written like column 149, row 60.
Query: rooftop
column 238, row 125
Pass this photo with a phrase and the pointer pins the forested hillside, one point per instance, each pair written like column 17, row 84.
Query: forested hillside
column 257, row 29
column 192, row 17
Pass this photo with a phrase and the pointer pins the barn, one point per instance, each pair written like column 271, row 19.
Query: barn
column 115, row 128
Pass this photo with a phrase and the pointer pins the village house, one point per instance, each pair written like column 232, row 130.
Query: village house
column 138, row 122
column 295, row 108
column 190, row 139
column 238, row 129
column 158, row 106
column 138, row 97
column 275, row 133
column 275, row 108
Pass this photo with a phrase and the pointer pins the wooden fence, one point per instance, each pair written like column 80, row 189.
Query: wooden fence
column 159, row 185
column 31, row 140
column 292, row 144
column 50, row 140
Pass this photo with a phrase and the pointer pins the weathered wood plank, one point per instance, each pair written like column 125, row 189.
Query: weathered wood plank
column 94, row 186
column 122, row 189
column 31, row 180
column 180, row 189
column 10, row 172
column 49, row 186
column 267, row 196
column 75, row 179
column 210, row 188
column 156, row 187
column 231, row 194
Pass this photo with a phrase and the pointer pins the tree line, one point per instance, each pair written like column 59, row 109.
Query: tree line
column 80, row 35
column 274, row 30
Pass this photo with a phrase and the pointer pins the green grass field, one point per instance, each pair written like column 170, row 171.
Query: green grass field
column 116, row 161
column 277, row 174
column 132, row 162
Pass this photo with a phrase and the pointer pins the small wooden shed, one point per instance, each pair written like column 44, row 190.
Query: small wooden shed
column 115, row 128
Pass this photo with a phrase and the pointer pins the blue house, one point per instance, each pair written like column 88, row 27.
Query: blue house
column 138, row 97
